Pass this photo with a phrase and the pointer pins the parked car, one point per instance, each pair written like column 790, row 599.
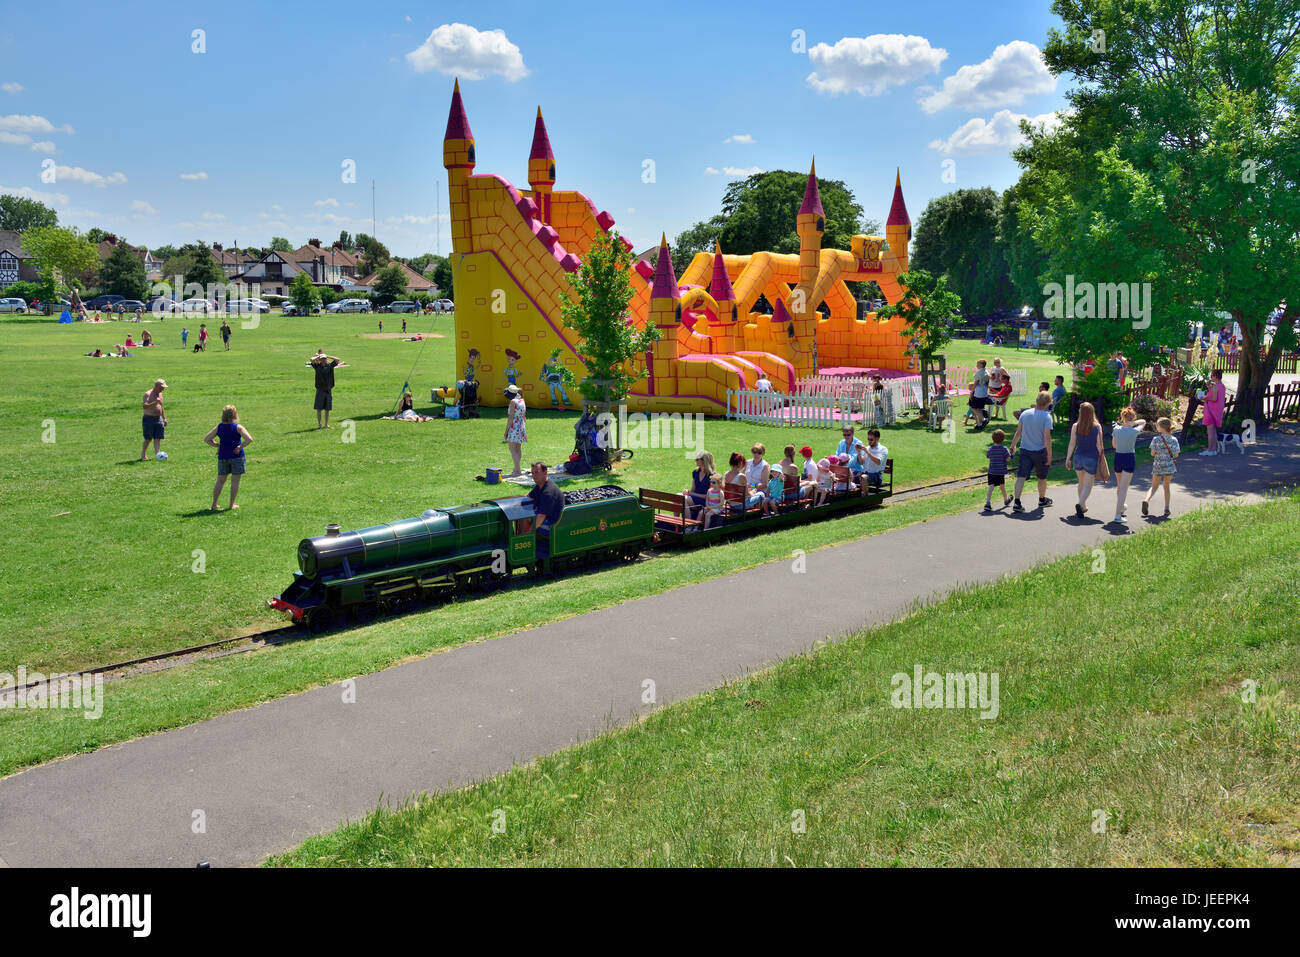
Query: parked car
column 161, row 305
column 350, row 305
column 289, row 309
column 197, row 305
column 13, row 305
column 247, row 306
column 127, row 305
column 403, row 305
column 443, row 305
column 103, row 301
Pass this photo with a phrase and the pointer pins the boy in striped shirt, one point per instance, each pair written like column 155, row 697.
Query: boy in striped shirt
column 999, row 455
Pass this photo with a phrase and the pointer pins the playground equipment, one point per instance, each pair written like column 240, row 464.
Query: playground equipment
column 512, row 252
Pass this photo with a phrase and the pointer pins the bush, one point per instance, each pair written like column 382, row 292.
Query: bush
column 1195, row 378
column 1152, row 407
column 328, row 295
column 1100, row 388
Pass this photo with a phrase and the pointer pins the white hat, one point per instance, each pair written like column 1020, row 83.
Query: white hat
column 513, row 389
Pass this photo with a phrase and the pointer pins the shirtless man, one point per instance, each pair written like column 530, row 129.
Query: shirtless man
column 154, row 420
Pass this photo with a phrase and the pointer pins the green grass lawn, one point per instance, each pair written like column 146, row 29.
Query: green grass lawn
column 1120, row 703
column 100, row 549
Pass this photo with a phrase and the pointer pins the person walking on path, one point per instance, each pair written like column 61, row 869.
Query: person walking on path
column 1215, row 399
column 324, row 366
column 1087, row 453
column 1164, row 454
column 230, row 439
column 516, row 426
column 1034, row 437
column 1124, row 437
column 225, row 333
column 998, row 456
column 154, row 420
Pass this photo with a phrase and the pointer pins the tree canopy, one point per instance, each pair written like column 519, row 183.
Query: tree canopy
column 22, row 214
column 123, row 274
column 280, row 245
column 927, row 308
column 303, row 294
column 390, row 283
column 758, row 213
column 1177, row 165
column 957, row 237
column 61, row 254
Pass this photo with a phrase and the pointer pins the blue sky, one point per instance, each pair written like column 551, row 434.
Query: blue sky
column 248, row 139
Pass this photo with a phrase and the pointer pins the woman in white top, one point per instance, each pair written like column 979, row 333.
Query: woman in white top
column 757, row 471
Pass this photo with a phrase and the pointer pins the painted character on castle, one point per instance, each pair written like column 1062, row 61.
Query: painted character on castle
column 511, row 358
column 553, row 376
column 470, row 364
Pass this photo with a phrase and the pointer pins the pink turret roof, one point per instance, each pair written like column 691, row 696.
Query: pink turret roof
column 541, row 142
column 812, row 197
column 898, row 209
column 779, row 313
column 457, row 122
column 720, row 288
column 665, row 284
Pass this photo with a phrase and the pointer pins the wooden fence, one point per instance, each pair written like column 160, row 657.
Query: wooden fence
column 1288, row 363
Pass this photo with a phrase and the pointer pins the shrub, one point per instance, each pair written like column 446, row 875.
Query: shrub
column 1152, row 407
column 1100, row 388
column 1195, row 378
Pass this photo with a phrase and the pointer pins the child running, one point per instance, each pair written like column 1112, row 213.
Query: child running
column 998, row 455
column 1164, row 452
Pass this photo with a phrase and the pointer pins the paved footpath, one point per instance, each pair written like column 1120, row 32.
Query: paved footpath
column 269, row 777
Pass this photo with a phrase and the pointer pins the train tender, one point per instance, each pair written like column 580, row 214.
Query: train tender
column 452, row 550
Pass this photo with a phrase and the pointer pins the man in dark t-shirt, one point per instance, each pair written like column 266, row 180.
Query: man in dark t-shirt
column 324, row 367
column 548, row 502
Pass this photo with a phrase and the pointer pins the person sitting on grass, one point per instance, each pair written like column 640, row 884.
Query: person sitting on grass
column 406, row 411
column 230, row 439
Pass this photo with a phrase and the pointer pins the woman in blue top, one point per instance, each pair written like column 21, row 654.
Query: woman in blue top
column 230, row 439
column 1124, row 437
column 701, row 478
column 1086, row 451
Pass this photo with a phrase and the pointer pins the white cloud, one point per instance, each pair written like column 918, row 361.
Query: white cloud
column 1000, row 134
column 214, row 215
column 739, row 138
column 12, row 87
column 458, row 49
column 199, row 175
column 49, row 199
column 630, row 210
column 14, row 139
column 42, row 146
column 408, row 19
column 275, row 206
column 869, row 65
column 413, row 220
column 17, row 123
column 84, row 176
column 331, row 202
column 734, row 170
column 333, row 218
column 140, row 206
column 1014, row 71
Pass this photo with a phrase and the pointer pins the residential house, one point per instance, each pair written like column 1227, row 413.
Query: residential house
column 273, row 273
column 16, row 263
column 231, row 261
column 332, row 266
column 414, row 281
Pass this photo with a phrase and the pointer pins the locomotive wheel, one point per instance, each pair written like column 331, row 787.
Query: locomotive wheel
column 319, row 619
column 363, row 612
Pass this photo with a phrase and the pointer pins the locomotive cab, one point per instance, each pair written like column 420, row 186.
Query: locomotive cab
column 521, row 529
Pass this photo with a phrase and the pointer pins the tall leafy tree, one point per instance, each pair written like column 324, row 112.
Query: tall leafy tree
column 1178, row 165
column 345, row 239
column 122, row 273
column 303, row 294
column 280, row 245
column 758, row 213
column 374, row 254
column 957, row 237
column 595, row 307
column 22, row 214
column 61, row 254
column 927, row 307
column 390, row 284
column 1026, row 260
column 444, row 274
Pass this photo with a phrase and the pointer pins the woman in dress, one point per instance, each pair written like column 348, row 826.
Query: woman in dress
column 1215, row 400
column 1086, row 451
column 516, row 426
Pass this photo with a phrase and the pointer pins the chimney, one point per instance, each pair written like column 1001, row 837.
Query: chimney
column 314, row 242
column 217, row 247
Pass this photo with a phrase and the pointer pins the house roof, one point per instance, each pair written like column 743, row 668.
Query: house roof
column 228, row 257
column 333, row 255
column 12, row 240
column 414, row 280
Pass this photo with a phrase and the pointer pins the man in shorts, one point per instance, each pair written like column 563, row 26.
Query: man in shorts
column 1034, row 436
column 154, row 420
column 324, row 367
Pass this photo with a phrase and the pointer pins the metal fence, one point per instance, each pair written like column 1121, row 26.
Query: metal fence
column 820, row 409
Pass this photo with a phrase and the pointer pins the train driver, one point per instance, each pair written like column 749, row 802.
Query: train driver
column 548, row 502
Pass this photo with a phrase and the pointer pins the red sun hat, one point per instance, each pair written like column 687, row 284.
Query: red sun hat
column 806, row 451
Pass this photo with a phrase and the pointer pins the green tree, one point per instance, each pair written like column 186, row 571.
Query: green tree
column 1026, row 259
column 61, row 254
column 198, row 265
column 122, row 273
column 163, row 253
column 390, row 284
column 280, row 245
column 957, row 237
column 345, row 240
column 303, row 294
column 758, row 213
column 595, row 308
column 444, row 276
column 927, row 306
column 374, row 254
column 1178, row 165
column 22, row 214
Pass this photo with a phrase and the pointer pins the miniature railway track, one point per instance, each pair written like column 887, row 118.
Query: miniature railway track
column 271, row 637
